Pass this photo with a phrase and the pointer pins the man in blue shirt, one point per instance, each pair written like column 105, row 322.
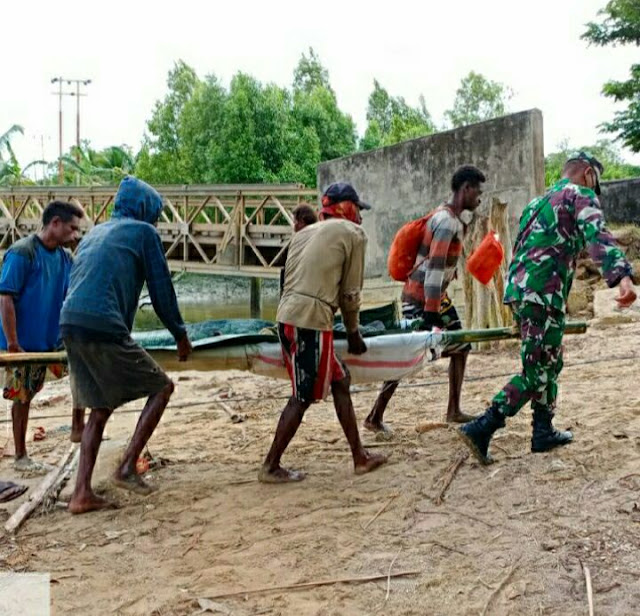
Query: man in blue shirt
column 33, row 284
column 107, row 367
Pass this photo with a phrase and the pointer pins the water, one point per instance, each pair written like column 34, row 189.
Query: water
column 202, row 298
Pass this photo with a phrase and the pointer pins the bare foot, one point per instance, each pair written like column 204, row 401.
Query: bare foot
column 92, row 502
column 27, row 466
column 370, row 462
column 279, row 475
column 460, row 417
column 380, row 428
column 134, row 483
column 76, row 435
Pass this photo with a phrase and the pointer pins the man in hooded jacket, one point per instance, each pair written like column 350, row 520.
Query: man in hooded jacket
column 107, row 368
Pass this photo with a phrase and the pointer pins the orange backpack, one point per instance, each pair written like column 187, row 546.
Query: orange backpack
column 404, row 248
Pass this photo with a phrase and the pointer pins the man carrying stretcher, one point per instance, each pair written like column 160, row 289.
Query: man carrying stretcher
column 324, row 271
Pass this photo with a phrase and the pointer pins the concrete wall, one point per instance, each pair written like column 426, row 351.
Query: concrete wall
column 406, row 180
column 620, row 200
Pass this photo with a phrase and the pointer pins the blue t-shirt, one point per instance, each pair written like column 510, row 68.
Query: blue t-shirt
column 38, row 279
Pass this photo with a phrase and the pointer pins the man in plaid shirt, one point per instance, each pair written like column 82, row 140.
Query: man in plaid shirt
column 425, row 292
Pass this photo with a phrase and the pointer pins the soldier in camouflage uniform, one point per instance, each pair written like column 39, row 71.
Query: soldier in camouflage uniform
column 554, row 229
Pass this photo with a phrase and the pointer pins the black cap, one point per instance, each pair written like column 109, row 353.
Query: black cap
column 343, row 191
column 594, row 163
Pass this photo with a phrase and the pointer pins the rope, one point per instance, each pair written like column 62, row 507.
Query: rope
column 354, row 390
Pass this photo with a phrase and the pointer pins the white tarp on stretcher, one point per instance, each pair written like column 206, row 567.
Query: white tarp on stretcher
column 388, row 358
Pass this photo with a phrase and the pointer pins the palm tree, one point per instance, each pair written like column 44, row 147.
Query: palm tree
column 11, row 174
column 9, row 167
column 89, row 166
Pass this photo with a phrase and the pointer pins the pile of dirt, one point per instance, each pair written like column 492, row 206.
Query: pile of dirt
column 588, row 279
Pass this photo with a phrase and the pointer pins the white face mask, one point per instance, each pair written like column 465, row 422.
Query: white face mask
column 466, row 216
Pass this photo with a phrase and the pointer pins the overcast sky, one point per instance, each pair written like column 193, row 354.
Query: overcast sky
column 412, row 48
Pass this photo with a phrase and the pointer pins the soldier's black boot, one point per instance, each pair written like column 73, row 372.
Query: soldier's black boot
column 477, row 433
column 545, row 436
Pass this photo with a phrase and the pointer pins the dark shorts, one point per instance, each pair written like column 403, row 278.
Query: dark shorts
column 110, row 374
column 311, row 361
column 450, row 320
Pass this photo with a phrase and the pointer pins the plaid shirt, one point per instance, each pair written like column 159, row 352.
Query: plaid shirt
column 436, row 261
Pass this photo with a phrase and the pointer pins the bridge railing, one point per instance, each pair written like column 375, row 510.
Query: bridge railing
column 225, row 229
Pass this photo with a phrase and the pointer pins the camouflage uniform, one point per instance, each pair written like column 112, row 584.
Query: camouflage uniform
column 554, row 229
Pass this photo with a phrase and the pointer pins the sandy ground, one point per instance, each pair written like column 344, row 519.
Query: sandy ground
column 508, row 539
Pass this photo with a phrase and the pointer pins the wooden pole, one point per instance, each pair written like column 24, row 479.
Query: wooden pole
column 469, row 335
column 300, row 586
column 502, row 333
column 256, row 298
column 53, row 478
column 483, row 303
column 22, row 359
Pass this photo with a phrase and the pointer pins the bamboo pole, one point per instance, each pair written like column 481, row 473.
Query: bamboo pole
column 22, row 359
column 503, row 333
column 456, row 337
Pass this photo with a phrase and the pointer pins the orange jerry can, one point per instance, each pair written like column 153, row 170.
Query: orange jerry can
column 486, row 258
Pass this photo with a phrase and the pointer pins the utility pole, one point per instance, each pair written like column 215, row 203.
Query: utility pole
column 60, row 94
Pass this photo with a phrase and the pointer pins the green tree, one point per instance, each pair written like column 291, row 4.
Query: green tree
column 85, row 165
column 478, row 99
column 615, row 167
column 620, row 25
column 250, row 132
column 310, row 73
column 160, row 159
column 317, row 110
column 391, row 119
column 251, row 138
column 11, row 173
column 316, row 119
column 201, row 123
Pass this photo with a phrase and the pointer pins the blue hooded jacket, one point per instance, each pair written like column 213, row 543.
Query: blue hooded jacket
column 113, row 262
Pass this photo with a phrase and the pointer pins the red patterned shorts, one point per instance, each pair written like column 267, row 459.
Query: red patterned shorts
column 22, row 383
column 311, row 361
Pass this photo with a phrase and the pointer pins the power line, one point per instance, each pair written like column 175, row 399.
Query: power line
column 78, row 83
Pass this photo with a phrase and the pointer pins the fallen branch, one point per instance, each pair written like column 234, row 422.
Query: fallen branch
column 380, row 511
column 587, row 579
column 192, row 543
column 234, row 417
column 385, row 444
column 386, row 598
column 444, row 546
column 582, row 492
column 430, row 425
column 604, row 589
column 51, row 498
column 37, row 496
column 449, row 475
column 502, row 584
column 303, row 585
column 456, row 512
column 528, row 511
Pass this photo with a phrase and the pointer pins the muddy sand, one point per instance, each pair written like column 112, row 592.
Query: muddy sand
column 511, row 538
